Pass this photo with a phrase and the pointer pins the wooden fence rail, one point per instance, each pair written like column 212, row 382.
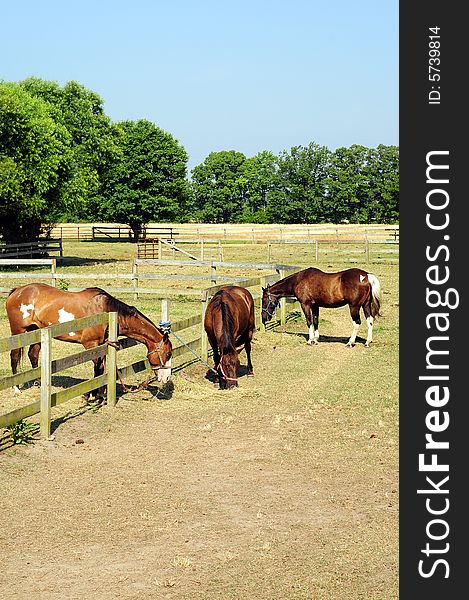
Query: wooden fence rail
column 48, row 399
column 31, row 249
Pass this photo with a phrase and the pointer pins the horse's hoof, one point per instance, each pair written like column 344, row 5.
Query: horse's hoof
column 16, row 390
column 367, row 345
column 349, row 345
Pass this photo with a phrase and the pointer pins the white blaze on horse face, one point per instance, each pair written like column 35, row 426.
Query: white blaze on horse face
column 25, row 308
column 164, row 375
column 362, row 278
column 65, row 316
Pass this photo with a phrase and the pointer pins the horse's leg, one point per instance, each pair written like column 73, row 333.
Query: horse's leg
column 216, row 353
column 369, row 322
column 307, row 311
column 315, row 311
column 99, row 393
column 15, row 356
column 355, row 314
column 247, row 347
column 33, row 355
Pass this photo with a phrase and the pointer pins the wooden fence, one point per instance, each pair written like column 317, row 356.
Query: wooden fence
column 135, row 277
column 48, row 366
column 245, row 232
column 44, row 247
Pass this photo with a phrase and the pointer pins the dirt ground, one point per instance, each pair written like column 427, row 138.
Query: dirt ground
column 285, row 488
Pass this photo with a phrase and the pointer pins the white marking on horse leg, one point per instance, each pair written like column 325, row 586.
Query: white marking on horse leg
column 24, row 308
column 16, row 389
column 313, row 335
column 65, row 316
column 351, row 341
column 369, row 337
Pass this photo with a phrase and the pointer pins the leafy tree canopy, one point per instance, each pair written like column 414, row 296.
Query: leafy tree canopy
column 35, row 160
column 218, row 187
column 147, row 180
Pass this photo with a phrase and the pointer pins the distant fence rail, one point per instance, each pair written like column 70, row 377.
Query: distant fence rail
column 124, row 232
column 45, row 247
column 221, row 231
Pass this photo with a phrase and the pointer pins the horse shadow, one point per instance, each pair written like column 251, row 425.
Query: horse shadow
column 327, row 338
column 78, row 261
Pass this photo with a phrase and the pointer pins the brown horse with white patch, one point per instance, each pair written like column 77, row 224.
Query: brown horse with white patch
column 38, row 305
column 229, row 323
column 314, row 289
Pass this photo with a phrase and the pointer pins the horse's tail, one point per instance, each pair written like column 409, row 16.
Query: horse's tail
column 375, row 295
column 227, row 341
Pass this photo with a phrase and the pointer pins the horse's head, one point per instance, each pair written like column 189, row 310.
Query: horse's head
column 228, row 369
column 159, row 357
column 269, row 304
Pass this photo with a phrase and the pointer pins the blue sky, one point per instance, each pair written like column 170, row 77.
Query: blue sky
column 245, row 75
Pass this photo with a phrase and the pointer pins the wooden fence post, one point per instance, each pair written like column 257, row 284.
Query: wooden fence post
column 46, row 382
column 367, row 249
column 202, row 249
column 317, row 250
column 53, row 272
column 135, row 279
column 204, row 339
column 214, row 274
column 111, row 360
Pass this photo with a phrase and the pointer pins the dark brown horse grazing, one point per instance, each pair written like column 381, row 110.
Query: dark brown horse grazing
column 38, row 305
column 229, row 323
column 314, row 289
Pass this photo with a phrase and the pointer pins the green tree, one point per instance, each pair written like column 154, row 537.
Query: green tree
column 383, row 205
column 219, row 187
column 260, row 176
column 93, row 139
column 299, row 191
column 147, row 180
column 35, row 162
column 363, row 185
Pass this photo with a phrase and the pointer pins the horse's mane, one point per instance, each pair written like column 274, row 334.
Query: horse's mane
column 123, row 309
column 227, row 341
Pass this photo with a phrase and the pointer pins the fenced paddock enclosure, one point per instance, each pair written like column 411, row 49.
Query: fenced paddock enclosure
column 284, row 488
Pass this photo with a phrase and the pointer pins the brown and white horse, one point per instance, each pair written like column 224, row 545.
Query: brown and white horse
column 315, row 289
column 229, row 322
column 38, row 305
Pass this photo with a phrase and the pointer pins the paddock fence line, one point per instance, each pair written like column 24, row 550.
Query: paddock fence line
column 135, row 277
column 221, row 231
column 40, row 247
column 49, row 366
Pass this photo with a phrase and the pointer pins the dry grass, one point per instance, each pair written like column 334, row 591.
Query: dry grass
column 285, row 488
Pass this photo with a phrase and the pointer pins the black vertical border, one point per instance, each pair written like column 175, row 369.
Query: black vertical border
column 424, row 128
